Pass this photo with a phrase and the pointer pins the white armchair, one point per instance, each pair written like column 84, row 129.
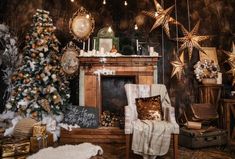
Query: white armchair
column 134, row 91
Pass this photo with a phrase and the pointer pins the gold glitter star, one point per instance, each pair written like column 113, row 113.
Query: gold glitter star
column 178, row 66
column 191, row 40
column 162, row 17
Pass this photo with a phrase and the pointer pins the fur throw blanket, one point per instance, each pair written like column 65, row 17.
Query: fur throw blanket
column 81, row 151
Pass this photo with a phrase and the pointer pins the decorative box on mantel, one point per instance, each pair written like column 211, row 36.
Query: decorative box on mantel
column 142, row 68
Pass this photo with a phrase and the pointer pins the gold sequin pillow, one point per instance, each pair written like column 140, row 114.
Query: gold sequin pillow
column 149, row 108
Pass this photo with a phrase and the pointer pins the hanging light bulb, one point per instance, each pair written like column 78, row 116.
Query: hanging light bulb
column 87, row 16
column 136, row 27
column 72, row 0
column 125, row 3
column 110, row 30
column 104, row 2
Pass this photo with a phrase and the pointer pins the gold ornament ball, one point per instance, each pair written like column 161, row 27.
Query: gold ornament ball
column 13, row 78
column 55, row 97
column 37, row 77
column 21, row 75
column 33, row 55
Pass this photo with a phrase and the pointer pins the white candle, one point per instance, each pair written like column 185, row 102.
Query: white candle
column 101, row 50
column 137, row 45
column 94, row 44
column 83, row 47
column 151, row 50
column 88, row 44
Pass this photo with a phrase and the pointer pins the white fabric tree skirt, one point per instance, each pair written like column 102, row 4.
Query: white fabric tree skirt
column 81, row 151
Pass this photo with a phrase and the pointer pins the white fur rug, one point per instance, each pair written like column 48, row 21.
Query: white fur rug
column 81, row 151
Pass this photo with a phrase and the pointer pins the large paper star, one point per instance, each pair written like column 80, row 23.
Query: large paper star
column 231, row 55
column 178, row 66
column 191, row 40
column 231, row 62
column 162, row 17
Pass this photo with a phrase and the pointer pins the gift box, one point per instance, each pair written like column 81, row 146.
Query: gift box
column 39, row 130
column 38, row 143
column 14, row 147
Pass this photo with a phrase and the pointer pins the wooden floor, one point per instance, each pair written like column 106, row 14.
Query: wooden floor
column 117, row 151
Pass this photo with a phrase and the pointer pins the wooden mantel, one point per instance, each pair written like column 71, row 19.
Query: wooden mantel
column 143, row 68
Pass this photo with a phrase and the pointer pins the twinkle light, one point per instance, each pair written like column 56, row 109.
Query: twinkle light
column 155, row 14
column 125, row 3
column 110, row 30
column 72, row 0
column 104, row 2
column 87, row 16
column 136, row 27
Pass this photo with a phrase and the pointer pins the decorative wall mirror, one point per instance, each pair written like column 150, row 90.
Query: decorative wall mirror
column 82, row 24
column 69, row 60
column 106, row 39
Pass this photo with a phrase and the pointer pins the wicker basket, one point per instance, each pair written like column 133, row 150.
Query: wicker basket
column 209, row 81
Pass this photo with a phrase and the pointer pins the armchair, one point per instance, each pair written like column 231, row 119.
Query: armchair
column 134, row 91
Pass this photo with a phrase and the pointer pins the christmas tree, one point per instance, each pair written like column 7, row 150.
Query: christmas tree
column 39, row 85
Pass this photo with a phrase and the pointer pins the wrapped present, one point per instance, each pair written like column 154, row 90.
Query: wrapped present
column 38, row 143
column 39, row 130
column 14, row 147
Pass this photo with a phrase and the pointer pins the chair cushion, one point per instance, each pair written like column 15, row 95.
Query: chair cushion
column 149, row 108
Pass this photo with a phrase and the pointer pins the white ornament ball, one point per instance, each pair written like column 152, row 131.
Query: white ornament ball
column 8, row 106
column 41, row 55
column 53, row 76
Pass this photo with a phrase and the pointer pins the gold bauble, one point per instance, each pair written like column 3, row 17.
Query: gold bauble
column 54, row 97
column 38, row 77
column 33, row 55
column 13, row 78
column 21, row 75
column 26, row 81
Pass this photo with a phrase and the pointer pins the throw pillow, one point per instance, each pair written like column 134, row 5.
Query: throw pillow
column 149, row 108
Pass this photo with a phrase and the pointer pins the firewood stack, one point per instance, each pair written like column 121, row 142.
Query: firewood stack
column 109, row 119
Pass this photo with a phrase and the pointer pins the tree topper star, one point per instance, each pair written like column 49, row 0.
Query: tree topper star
column 191, row 40
column 178, row 66
column 162, row 17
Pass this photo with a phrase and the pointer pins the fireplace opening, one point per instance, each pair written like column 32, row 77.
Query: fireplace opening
column 113, row 100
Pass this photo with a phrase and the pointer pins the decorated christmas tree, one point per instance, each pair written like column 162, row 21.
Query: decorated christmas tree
column 39, row 85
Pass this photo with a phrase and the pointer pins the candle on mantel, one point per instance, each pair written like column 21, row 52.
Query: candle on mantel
column 83, row 47
column 88, row 45
column 94, row 44
column 137, row 45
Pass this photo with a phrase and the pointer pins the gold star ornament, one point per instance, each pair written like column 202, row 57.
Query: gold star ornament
column 231, row 55
column 162, row 17
column 191, row 40
column 178, row 66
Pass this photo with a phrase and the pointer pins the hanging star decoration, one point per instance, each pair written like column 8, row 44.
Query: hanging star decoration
column 231, row 55
column 162, row 17
column 191, row 40
column 231, row 62
column 178, row 66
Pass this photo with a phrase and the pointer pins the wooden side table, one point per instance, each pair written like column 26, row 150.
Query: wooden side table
column 210, row 93
column 228, row 113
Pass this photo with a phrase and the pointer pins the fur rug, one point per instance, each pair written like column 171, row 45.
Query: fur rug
column 81, row 151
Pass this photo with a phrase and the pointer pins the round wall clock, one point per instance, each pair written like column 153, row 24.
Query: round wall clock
column 69, row 60
column 82, row 24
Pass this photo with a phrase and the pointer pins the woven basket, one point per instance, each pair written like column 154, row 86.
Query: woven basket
column 209, row 81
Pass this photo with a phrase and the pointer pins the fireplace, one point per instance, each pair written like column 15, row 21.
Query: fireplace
column 113, row 99
column 102, row 80
column 99, row 78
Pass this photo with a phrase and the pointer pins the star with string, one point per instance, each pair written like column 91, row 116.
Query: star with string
column 191, row 40
column 162, row 17
column 178, row 66
column 231, row 55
